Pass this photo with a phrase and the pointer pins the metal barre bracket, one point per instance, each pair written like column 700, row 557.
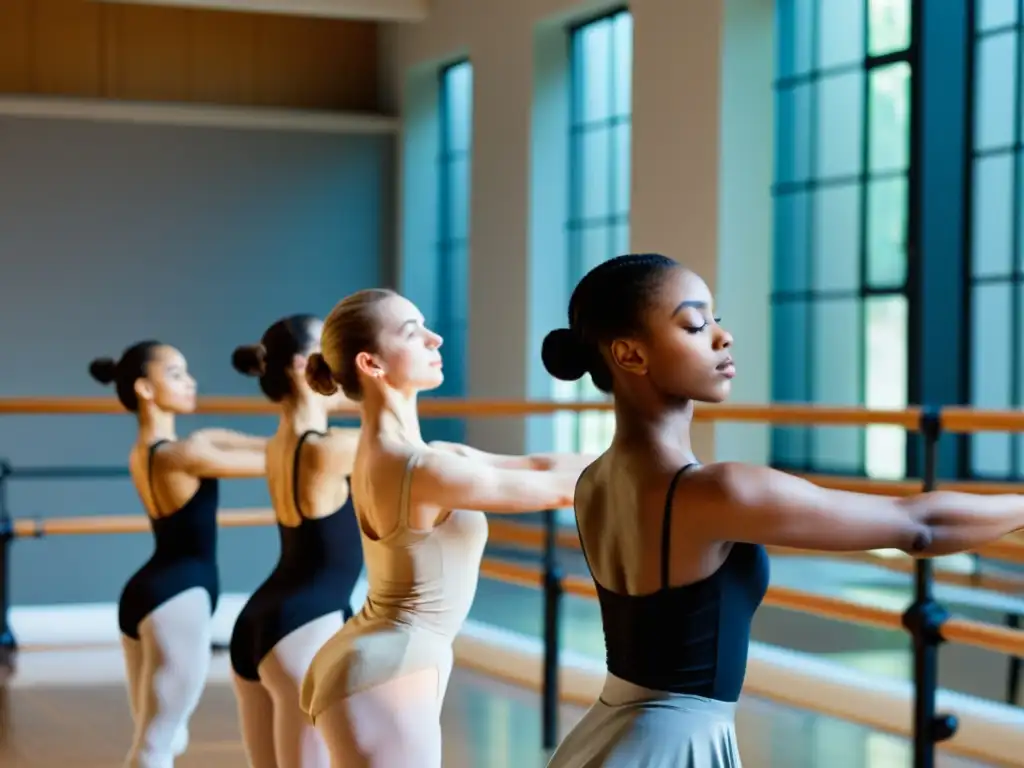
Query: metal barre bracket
column 8, row 644
column 930, row 424
column 553, row 592
column 944, row 726
column 924, row 620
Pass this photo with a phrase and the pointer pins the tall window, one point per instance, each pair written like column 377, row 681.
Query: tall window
column 996, row 254
column 456, row 111
column 599, row 178
column 840, row 299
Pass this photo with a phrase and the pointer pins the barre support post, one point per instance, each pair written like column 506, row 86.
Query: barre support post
column 552, row 631
column 7, row 642
column 1013, row 673
column 923, row 620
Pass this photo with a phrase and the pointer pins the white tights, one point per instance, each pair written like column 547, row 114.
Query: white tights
column 276, row 732
column 394, row 725
column 167, row 668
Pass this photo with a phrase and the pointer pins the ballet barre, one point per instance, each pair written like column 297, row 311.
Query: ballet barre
column 37, row 528
column 965, row 631
column 532, row 537
column 928, row 623
column 951, row 419
column 996, row 639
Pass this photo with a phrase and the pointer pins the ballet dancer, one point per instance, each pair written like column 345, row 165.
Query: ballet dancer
column 165, row 608
column 375, row 689
column 309, row 594
column 676, row 549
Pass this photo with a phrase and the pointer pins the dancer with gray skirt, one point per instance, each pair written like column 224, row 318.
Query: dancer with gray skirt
column 677, row 550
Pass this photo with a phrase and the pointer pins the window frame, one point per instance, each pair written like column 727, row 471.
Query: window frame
column 863, row 292
column 591, row 431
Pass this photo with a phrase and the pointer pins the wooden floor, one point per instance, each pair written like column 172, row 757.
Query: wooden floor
column 68, row 709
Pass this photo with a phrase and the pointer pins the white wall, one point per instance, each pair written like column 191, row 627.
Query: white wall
column 701, row 165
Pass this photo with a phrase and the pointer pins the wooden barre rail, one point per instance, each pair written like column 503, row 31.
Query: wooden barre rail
column 104, row 524
column 531, row 537
column 902, row 563
column 955, row 419
column 965, row 631
column 978, row 634
column 1009, row 549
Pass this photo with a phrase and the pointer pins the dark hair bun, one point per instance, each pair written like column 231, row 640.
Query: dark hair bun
column 103, row 369
column 564, row 355
column 250, row 360
column 319, row 375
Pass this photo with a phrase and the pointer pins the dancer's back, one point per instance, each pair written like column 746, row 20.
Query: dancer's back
column 676, row 616
column 421, row 585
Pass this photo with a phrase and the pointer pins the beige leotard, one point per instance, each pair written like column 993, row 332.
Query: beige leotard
column 421, row 587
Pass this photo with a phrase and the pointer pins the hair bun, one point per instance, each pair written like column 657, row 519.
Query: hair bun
column 320, row 376
column 564, row 355
column 103, row 369
column 250, row 360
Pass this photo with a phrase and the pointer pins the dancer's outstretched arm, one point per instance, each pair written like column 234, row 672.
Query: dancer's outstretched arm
column 567, row 462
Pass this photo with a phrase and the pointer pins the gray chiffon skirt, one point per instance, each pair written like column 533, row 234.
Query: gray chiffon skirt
column 634, row 727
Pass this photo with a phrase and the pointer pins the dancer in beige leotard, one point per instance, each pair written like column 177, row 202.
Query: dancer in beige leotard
column 375, row 689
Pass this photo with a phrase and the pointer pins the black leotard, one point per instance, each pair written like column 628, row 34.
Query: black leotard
column 321, row 561
column 691, row 639
column 185, row 555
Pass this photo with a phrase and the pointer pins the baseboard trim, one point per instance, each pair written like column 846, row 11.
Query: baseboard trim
column 50, row 627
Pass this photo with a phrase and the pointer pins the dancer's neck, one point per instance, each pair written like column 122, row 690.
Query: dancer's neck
column 155, row 425
column 304, row 413
column 388, row 413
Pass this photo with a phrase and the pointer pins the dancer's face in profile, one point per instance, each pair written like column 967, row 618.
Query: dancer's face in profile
column 683, row 351
column 408, row 353
column 167, row 383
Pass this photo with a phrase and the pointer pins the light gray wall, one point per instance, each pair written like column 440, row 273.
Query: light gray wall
column 201, row 237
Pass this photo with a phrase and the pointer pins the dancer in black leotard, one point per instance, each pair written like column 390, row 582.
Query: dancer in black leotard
column 309, row 594
column 165, row 608
column 676, row 549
